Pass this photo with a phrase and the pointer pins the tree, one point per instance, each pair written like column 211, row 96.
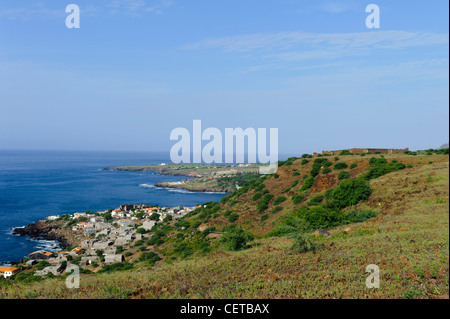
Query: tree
column 154, row 216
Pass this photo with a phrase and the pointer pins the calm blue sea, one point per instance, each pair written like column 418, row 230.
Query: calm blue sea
column 36, row 184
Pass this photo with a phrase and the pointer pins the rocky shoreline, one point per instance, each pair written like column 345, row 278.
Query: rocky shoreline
column 192, row 189
column 42, row 230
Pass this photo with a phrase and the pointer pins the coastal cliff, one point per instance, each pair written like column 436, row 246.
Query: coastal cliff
column 42, row 230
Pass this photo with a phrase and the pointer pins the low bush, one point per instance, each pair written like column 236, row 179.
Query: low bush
column 309, row 181
column 279, row 200
column 277, row 209
column 233, row 217
column 340, row 165
column 256, row 196
column 151, row 258
column 350, row 192
column 297, row 199
column 116, row 267
column 316, row 200
column 344, row 175
column 235, row 238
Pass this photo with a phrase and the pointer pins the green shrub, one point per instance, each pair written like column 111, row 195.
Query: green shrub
column 296, row 174
column 340, row 165
column 183, row 249
column 345, row 152
column 295, row 183
column 260, row 187
column 264, row 203
column 343, row 175
column 277, row 209
column 315, row 170
column 42, row 264
column 326, row 170
column 319, row 217
column 290, row 224
column 234, row 238
column 297, row 199
column 264, row 217
column 256, row 196
column 116, row 267
column 302, row 243
column 307, row 183
column 305, row 161
column 326, row 163
column 350, row 192
column 154, row 216
column 119, row 249
column 279, row 200
column 380, row 168
column 316, row 200
column 233, row 217
column 358, row 216
column 353, row 165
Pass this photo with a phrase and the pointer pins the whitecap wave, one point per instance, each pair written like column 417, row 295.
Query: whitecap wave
column 147, row 186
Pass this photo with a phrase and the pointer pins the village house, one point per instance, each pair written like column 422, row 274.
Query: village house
column 8, row 271
column 123, row 240
column 125, row 223
column 148, row 224
column 102, row 225
column 89, row 231
column 78, row 215
column 55, row 270
column 40, row 254
column 111, row 259
column 97, row 219
column 89, row 260
column 75, row 251
column 127, row 207
column 30, row 263
column 101, row 245
column 87, row 243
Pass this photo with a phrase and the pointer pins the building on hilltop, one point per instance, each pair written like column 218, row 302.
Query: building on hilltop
column 366, row 150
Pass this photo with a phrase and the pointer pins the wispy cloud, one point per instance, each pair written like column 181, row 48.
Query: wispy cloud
column 27, row 12
column 135, row 7
column 88, row 8
column 316, row 43
column 335, row 7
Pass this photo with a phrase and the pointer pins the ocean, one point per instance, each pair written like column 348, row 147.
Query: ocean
column 37, row 184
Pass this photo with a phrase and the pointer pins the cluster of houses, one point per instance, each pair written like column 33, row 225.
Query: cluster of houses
column 101, row 236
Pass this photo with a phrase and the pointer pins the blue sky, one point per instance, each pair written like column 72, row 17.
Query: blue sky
column 136, row 69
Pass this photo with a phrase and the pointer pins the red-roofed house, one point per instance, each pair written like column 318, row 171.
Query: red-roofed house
column 8, row 271
column 40, row 254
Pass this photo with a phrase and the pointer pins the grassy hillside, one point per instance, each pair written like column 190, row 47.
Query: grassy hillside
column 408, row 238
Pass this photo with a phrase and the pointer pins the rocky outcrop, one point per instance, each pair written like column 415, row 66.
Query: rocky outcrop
column 42, row 231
